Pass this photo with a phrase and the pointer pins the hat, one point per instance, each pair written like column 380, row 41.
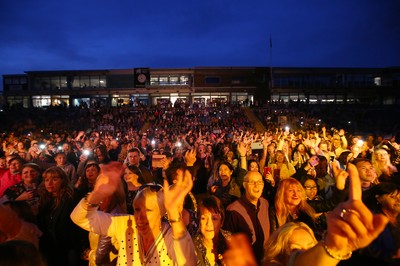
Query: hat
column 90, row 163
column 34, row 142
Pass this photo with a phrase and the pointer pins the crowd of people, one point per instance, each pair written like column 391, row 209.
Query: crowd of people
column 176, row 184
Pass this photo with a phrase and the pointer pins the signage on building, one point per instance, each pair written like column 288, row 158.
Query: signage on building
column 142, row 77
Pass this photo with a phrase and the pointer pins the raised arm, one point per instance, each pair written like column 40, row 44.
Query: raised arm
column 174, row 197
column 351, row 226
column 85, row 213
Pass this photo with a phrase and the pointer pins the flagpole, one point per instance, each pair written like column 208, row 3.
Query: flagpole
column 271, row 83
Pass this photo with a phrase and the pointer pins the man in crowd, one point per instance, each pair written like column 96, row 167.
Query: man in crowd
column 134, row 157
column 249, row 214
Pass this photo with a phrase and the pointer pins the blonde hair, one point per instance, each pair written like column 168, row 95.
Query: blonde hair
column 380, row 167
column 277, row 248
column 282, row 211
column 148, row 194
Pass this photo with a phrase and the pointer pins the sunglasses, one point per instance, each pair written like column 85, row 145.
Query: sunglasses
column 152, row 186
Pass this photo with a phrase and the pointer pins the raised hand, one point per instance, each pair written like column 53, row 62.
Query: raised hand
column 107, row 182
column 242, row 148
column 351, row 225
column 190, row 157
column 174, row 195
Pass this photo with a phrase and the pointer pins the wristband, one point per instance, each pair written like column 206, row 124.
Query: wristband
column 93, row 205
column 171, row 221
column 335, row 256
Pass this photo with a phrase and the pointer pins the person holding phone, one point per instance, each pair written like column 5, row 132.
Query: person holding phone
column 308, row 168
column 280, row 170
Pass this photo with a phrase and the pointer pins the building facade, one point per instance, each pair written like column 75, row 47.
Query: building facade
column 202, row 85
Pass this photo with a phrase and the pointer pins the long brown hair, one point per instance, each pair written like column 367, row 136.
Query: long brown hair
column 66, row 190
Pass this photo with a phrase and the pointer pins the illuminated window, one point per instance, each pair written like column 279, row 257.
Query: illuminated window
column 377, row 81
column 173, row 80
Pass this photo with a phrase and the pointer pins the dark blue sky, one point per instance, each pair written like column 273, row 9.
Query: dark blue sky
column 104, row 34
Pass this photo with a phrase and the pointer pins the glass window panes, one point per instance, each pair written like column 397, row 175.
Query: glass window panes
column 84, row 81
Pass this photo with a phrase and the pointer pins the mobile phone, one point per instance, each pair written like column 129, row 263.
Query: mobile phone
column 267, row 170
column 332, row 158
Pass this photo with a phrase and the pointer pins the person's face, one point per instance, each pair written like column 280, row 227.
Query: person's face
column 311, row 188
column 87, row 145
column 143, row 142
column 301, row 148
column 53, row 184
column 91, row 173
column 210, row 223
column 209, row 149
column 271, row 149
column 336, row 143
column 254, row 186
column 51, row 147
column 15, row 166
column 253, row 167
column 178, row 153
column 366, row 171
column 201, row 149
column 29, row 175
column 99, row 155
column 381, row 156
column 3, row 163
column 147, row 215
column 133, row 158
column 293, row 195
column 20, row 145
column 323, row 147
column 60, row 159
column 301, row 240
column 226, row 149
column 130, row 176
column 65, row 147
column 390, row 202
column 224, row 172
column 280, row 157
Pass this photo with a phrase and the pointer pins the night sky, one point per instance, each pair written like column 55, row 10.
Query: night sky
column 104, row 34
